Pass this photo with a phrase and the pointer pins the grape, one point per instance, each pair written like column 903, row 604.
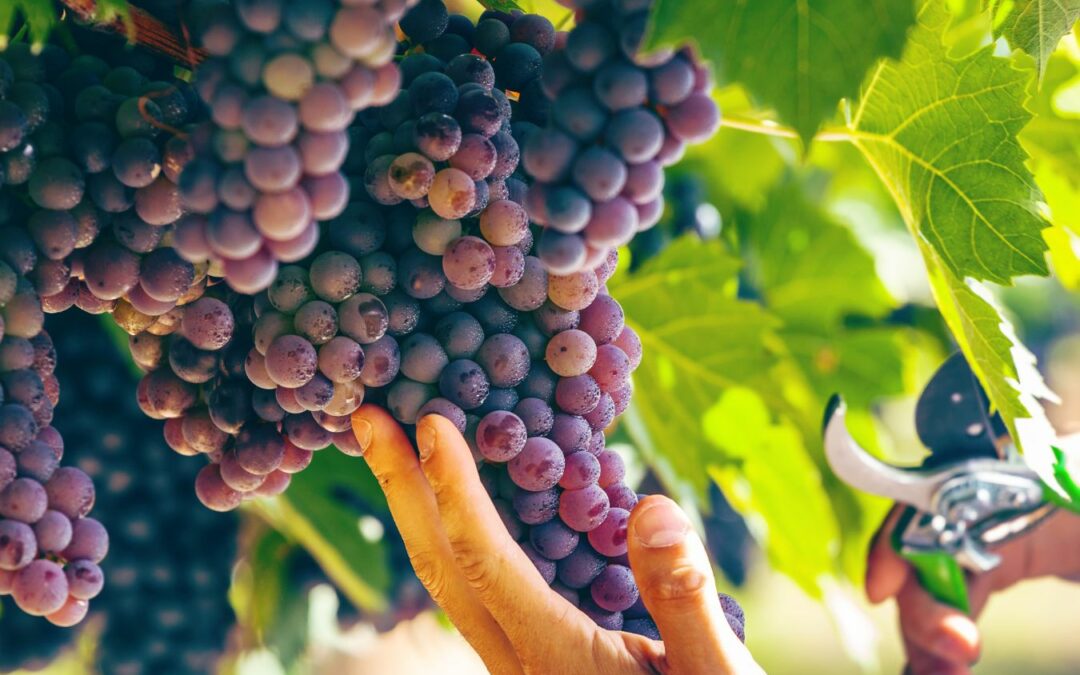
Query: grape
column 433, row 234
column 291, row 361
column 426, row 21
column 694, row 119
column 341, row 359
column 422, row 358
column 500, row 436
column 85, row 579
column 38, row 462
column 443, row 407
column 538, row 466
column 381, row 363
column 468, row 263
column 432, row 92
column 207, row 323
column 460, row 335
column 620, row 85
column 411, row 175
column 504, row 223
column 40, row 588
column 582, row 470
column 614, row 589
column 273, row 169
column 282, row 216
column 553, row 540
column 534, row 508
column 505, row 359
column 580, row 568
column 406, row 398
column 610, row 537
column 322, row 153
column 621, row 497
column 363, row 317
column 464, row 383
column 316, row 321
column 89, row 541
column 452, row 194
column 17, row 545
column 213, row 492
column 24, row 500
column 584, row 509
column 54, row 233
column 56, row 184
column 476, row 156
column 71, row 492
column 420, row 275
column 571, row 353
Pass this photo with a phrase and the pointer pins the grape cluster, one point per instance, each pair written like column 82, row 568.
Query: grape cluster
column 614, row 120
column 284, row 82
column 165, row 610
column 96, row 195
column 50, row 548
column 398, row 182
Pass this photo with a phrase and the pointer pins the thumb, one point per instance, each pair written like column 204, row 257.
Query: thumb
column 676, row 582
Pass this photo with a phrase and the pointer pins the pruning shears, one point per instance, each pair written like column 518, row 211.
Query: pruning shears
column 973, row 493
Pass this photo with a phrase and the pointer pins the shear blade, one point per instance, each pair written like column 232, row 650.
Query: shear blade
column 861, row 470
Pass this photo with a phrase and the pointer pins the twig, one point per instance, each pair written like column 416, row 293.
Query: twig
column 145, row 30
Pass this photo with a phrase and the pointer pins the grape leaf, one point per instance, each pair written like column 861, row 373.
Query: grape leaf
column 701, row 344
column 699, row 340
column 1036, row 26
column 773, row 467
column 314, row 514
column 1004, row 366
column 799, row 57
column 942, row 135
column 40, row 17
column 1053, row 141
column 809, row 270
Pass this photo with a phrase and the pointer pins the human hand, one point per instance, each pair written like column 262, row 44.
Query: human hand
column 940, row 640
column 476, row 572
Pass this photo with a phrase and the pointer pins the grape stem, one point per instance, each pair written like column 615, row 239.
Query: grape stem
column 770, row 128
column 140, row 27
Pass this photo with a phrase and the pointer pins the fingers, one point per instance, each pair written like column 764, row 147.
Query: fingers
column 886, row 571
column 412, row 504
column 936, row 630
column 677, row 586
column 495, row 567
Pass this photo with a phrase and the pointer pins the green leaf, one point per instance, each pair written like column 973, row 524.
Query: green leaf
column 1053, row 141
column 1004, row 366
column 40, row 17
column 942, row 135
column 799, row 57
column 809, row 269
column 776, row 481
column 319, row 512
column 1036, row 26
column 698, row 339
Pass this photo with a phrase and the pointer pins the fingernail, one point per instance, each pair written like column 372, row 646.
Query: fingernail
column 426, row 438
column 362, row 431
column 661, row 525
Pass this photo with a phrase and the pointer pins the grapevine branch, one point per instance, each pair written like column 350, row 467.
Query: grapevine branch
column 142, row 28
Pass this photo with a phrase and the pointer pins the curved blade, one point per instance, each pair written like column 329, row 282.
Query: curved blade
column 859, row 469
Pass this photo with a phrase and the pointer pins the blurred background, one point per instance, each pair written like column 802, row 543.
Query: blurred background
column 810, row 284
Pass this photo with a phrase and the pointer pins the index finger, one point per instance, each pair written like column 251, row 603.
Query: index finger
column 393, row 461
column 886, row 571
column 498, row 570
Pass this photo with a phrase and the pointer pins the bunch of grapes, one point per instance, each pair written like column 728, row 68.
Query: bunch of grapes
column 421, row 288
column 283, row 84
column 164, row 610
column 49, row 548
column 614, row 120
